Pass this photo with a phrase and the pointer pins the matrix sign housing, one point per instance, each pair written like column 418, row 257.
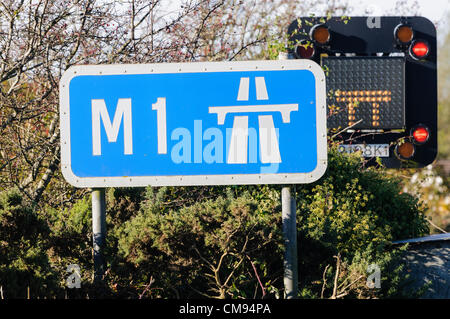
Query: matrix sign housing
column 365, row 92
column 381, row 82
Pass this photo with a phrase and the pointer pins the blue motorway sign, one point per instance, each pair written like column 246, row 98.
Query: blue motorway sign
column 214, row 123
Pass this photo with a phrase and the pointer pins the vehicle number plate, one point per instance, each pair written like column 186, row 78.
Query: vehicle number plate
column 368, row 150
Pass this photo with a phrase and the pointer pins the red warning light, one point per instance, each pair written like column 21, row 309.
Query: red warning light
column 420, row 134
column 419, row 49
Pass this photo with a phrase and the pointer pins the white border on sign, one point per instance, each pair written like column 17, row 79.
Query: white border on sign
column 194, row 180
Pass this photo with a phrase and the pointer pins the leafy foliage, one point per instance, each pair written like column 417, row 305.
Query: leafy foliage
column 206, row 248
column 353, row 214
column 24, row 265
column 191, row 248
column 218, row 241
column 352, row 207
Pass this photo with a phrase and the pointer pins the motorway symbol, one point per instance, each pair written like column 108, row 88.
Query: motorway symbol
column 268, row 141
column 214, row 123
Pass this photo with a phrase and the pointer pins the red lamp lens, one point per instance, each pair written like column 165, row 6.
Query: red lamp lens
column 419, row 49
column 304, row 50
column 421, row 134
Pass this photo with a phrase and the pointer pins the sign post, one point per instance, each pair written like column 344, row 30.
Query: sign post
column 288, row 216
column 98, row 231
column 179, row 124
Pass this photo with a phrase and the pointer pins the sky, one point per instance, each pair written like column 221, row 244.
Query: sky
column 432, row 9
column 438, row 11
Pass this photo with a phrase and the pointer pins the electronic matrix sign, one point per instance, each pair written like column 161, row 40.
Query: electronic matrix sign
column 381, row 83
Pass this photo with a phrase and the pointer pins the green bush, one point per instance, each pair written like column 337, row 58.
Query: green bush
column 222, row 242
column 217, row 241
column 216, row 247
column 25, row 269
column 354, row 213
column 351, row 207
column 70, row 243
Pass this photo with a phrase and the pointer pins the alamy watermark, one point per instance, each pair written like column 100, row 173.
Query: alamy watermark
column 240, row 145
column 374, row 278
column 74, row 279
column 374, row 16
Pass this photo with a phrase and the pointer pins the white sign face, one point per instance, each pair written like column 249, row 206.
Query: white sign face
column 214, row 123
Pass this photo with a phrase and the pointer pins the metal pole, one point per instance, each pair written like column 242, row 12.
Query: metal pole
column 290, row 242
column 98, row 231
